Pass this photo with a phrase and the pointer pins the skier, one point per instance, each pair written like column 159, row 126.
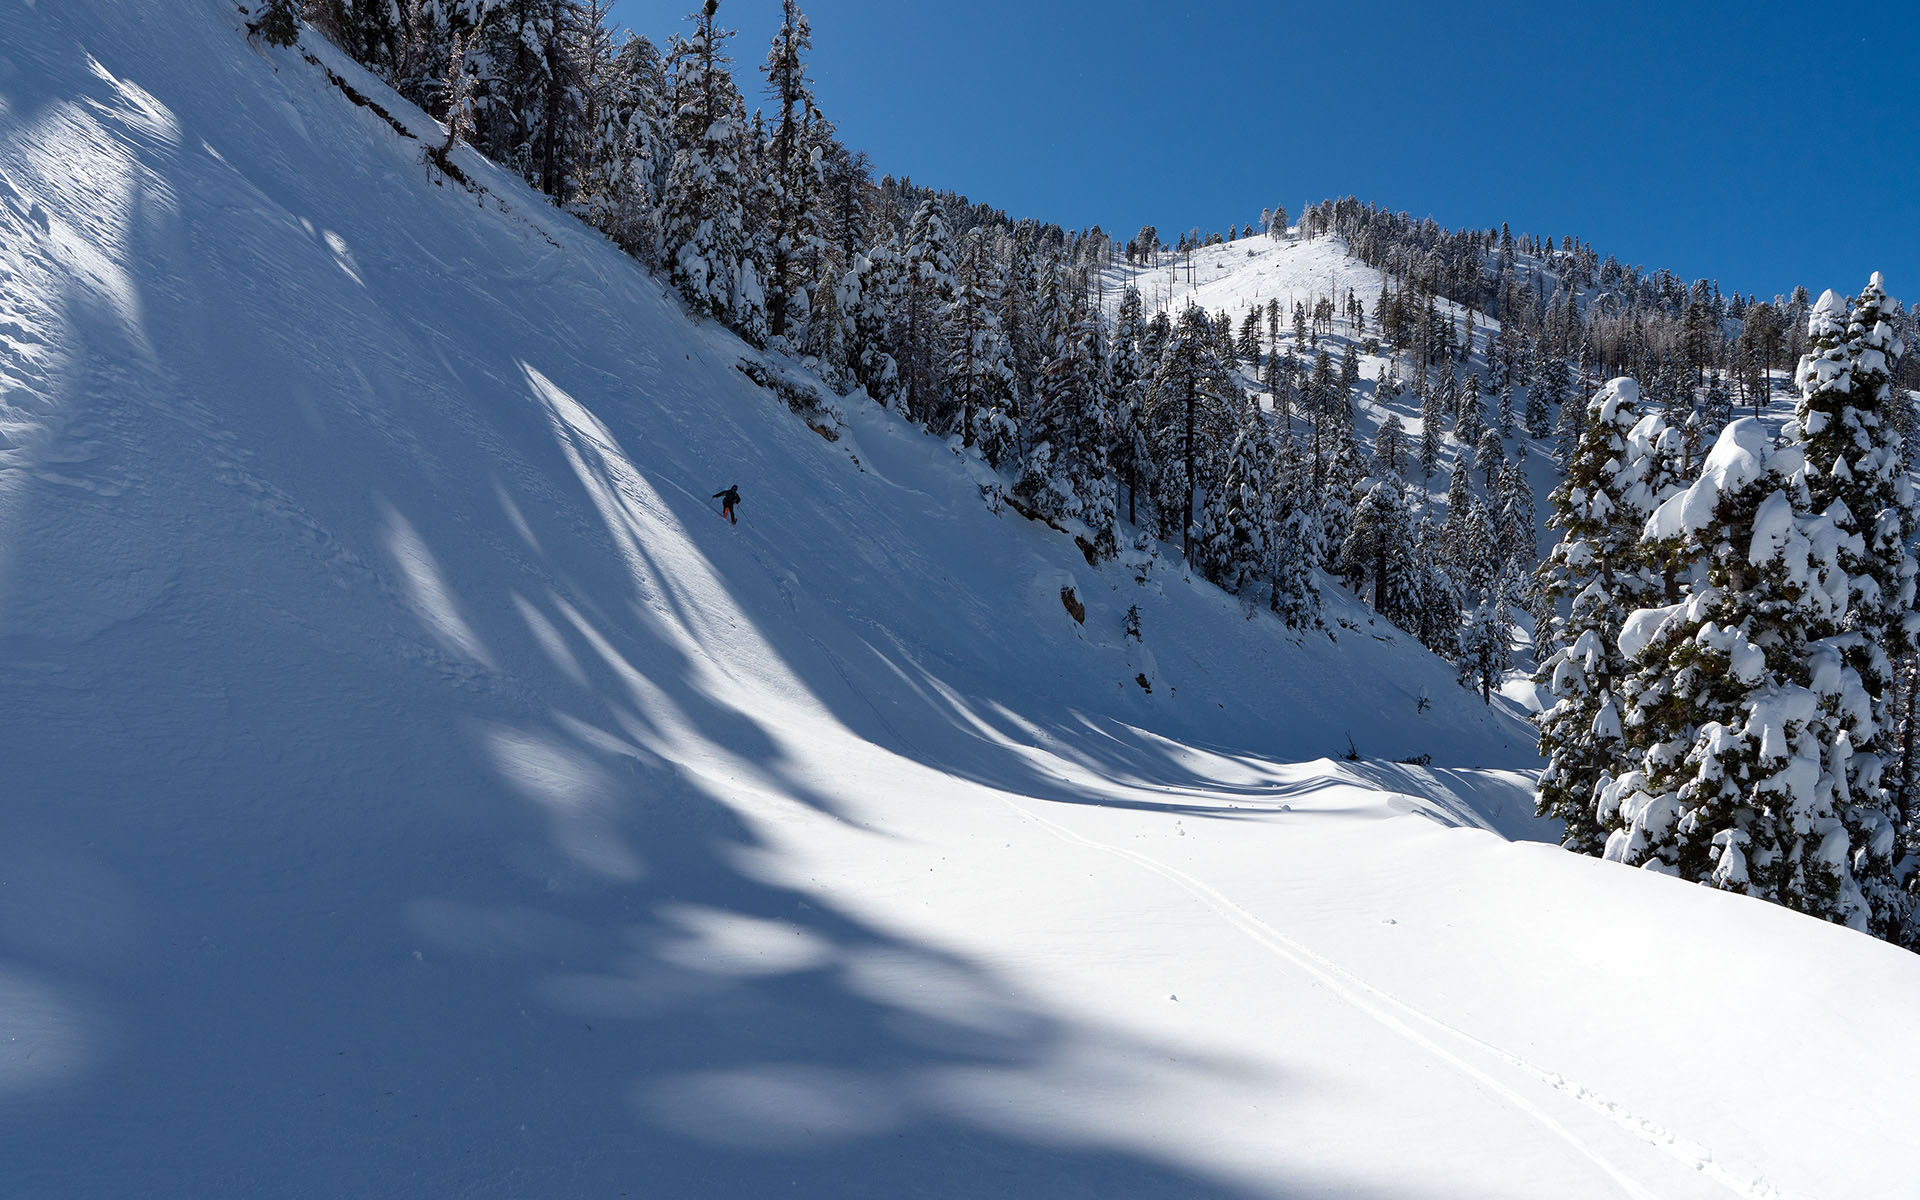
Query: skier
column 727, row 500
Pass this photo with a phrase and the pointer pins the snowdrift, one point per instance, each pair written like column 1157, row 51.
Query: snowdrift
column 413, row 787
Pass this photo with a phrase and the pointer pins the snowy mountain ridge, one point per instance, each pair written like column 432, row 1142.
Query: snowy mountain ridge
column 414, row 787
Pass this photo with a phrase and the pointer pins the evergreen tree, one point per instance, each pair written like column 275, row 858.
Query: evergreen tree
column 1718, row 409
column 793, row 173
column 1248, row 346
column 1459, row 498
column 1273, row 377
column 1514, row 524
column 923, row 319
column 1856, row 477
column 1349, row 375
column 1378, row 552
column 869, row 293
column 704, row 222
column 1490, row 456
column 1070, row 426
column 1344, row 483
column 1437, row 597
column 1389, row 447
column 1223, row 340
column 1192, row 404
column 1476, row 550
column 1471, row 421
column 977, row 374
column 1237, row 525
column 1546, row 397
column 1429, row 450
column 628, row 152
column 847, row 179
column 528, row 107
column 276, row 22
column 1020, row 322
column 1741, row 712
column 1486, row 643
column 1131, row 453
column 1300, row 543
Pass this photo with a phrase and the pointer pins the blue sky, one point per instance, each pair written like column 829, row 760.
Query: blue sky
column 1764, row 144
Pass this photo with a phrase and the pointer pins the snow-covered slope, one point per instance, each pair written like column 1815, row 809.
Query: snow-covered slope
column 412, row 787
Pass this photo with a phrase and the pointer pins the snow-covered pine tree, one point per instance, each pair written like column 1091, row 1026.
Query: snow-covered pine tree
column 1543, row 611
column 628, row 151
column 1546, row 397
column 1490, row 456
column 1022, row 322
column 1429, row 450
column 1433, row 419
column 1475, row 561
column 1343, row 484
column 1437, row 597
column 1716, row 409
column 1248, row 344
column 1300, row 543
column 749, row 289
column 1856, row 477
column 1279, row 389
column 1741, row 710
column 703, row 221
column 1470, row 420
column 1324, row 407
column 793, row 173
column 1513, row 524
column 372, row 31
column 1459, row 496
column 1656, row 457
column 1378, row 553
column 528, row 109
column 847, row 180
column 1237, row 524
column 1597, row 569
column 1193, row 401
column 1570, row 425
column 869, row 294
column 978, row 377
column 1223, row 340
column 276, row 22
column 1389, row 447
column 923, row 319
column 1486, row 642
column 1130, row 454
column 1070, row 424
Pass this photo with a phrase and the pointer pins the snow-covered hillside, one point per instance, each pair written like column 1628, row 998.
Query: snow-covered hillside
column 1254, row 272
column 412, row 787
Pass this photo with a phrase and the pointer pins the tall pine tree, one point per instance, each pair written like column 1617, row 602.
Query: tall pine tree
column 1856, row 476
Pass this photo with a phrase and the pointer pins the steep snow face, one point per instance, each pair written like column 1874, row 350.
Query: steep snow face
column 414, row 787
column 1233, row 276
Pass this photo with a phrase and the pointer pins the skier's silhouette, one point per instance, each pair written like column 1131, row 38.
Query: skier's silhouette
column 727, row 500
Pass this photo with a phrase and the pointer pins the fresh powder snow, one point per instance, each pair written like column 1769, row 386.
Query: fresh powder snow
column 413, row 787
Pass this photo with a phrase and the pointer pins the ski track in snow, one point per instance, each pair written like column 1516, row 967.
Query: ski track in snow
column 1389, row 1011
